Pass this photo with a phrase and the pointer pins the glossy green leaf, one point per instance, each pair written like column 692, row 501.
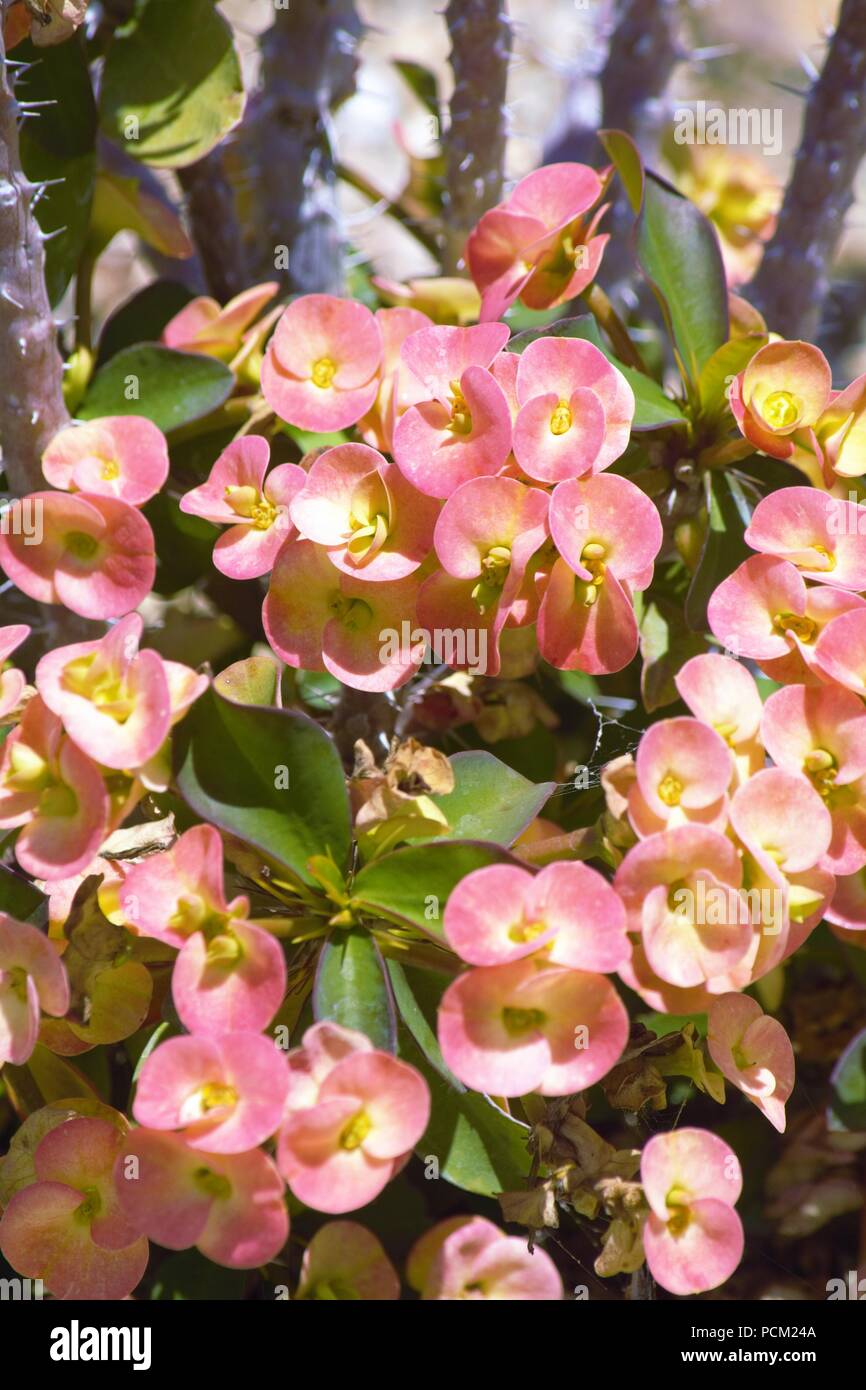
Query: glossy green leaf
column 352, row 988
column 171, row 87
column 490, row 801
column 679, row 253
column 168, row 387
column 724, row 546
column 653, row 410
column 665, row 647
column 59, row 142
column 629, row 165
column 477, row 1146
column 271, row 777
column 847, row 1109
column 720, row 369
column 18, row 896
column 412, row 885
column 253, row 681
column 143, row 317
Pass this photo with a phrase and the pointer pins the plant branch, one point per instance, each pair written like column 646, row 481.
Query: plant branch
column 31, row 403
column 475, row 143
column 794, row 275
column 210, row 206
column 286, row 180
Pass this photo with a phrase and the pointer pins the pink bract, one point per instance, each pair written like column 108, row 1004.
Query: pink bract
column 321, row 369
column 122, row 456
column 693, row 1238
column 575, row 413
column 96, row 555
column 32, row 978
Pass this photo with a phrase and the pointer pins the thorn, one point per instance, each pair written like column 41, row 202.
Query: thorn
column 792, row 91
column 49, row 236
column 31, row 105
column 713, row 51
column 10, row 299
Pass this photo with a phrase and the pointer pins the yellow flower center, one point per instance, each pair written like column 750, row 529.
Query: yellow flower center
column 828, row 557
column 323, row 373
column 461, row 417
column 781, row 410
column 79, row 544
column 670, row 790
column 353, row 613
column 518, row 1021
column 356, row 1131
column 561, row 420
column 110, row 470
column 526, row 931
column 214, row 1184
column 214, row 1095
column 799, row 624
column 822, row 769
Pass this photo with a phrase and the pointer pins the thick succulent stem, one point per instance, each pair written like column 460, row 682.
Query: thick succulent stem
column 286, row 178
column 475, row 144
column 794, row 274
column 210, row 205
column 644, row 50
column 31, row 372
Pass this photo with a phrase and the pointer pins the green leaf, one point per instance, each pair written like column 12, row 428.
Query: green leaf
column 665, row 648
column 718, row 371
column 59, row 142
column 724, row 547
column 422, row 82
column 253, row 681
column 479, row 1148
column 626, row 156
column 847, row 1109
column 653, row 410
column 490, row 801
column 190, row 1276
column 231, row 763
column 412, row 885
column 352, row 989
column 143, row 317
column 679, row 253
column 171, row 86
column 18, row 896
column 168, row 387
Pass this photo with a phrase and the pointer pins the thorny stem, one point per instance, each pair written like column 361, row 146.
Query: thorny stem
column 819, row 192
column 210, row 205
column 475, row 143
column 32, row 409
column 287, row 183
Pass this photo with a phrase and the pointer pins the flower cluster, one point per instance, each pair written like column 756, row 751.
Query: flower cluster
column 88, row 744
column 493, row 514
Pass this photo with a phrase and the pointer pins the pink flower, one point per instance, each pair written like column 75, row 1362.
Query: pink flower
column 96, row 555
column 202, row 326
column 345, row 1261
column 230, row 1206
column 820, row 732
column 114, row 700
column 462, row 427
column 575, row 412
column 351, row 1119
column 840, row 651
column 318, row 618
column 67, row 1227
column 50, row 788
column 536, row 245
column 778, row 400
column 681, row 893
column 230, row 976
column 399, row 386
column 32, row 977
column 684, row 769
column 764, row 611
column 693, row 1238
column 528, row 1026
column 226, row 1094
column 321, row 369
column 486, row 536
column 721, row 693
column 12, row 682
column 608, row 534
column 469, row 1257
column 567, row 912
column 819, row 534
column 122, row 456
column 255, row 508
column 754, row 1052
column 369, row 518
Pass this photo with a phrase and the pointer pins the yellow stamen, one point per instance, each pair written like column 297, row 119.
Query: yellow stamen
column 323, row 373
column 670, row 790
column 356, row 1131
column 561, row 420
